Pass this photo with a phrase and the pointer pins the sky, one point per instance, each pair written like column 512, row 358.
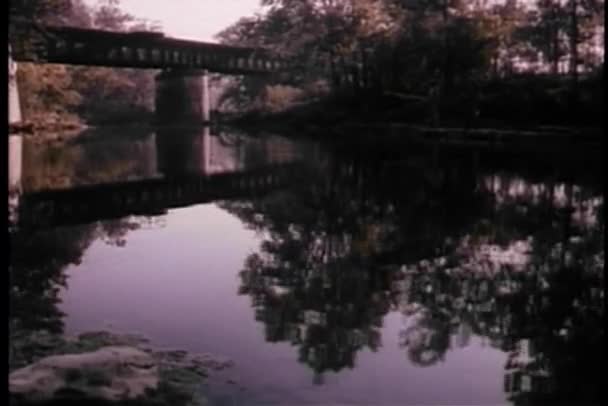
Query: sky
column 190, row 19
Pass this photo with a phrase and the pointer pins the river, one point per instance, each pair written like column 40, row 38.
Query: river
column 404, row 274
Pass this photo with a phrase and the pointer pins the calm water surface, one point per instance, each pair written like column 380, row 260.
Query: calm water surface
column 393, row 275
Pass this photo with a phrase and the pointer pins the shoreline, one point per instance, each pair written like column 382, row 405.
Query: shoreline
column 339, row 127
column 181, row 374
column 479, row 135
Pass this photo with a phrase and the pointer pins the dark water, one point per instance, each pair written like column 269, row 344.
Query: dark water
column 395, row 274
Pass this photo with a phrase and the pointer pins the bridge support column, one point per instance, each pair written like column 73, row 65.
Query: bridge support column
column 14, row 104
column 182, row 97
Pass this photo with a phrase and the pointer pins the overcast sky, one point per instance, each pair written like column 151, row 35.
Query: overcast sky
column 190, row 19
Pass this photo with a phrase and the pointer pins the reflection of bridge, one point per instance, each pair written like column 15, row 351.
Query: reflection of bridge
column 166, row 169
column 146, row 197
column 188, row 151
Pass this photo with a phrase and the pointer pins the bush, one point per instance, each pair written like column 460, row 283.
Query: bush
column 278, row 98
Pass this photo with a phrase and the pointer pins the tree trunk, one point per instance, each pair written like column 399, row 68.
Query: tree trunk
column 555, row 42
column 344, row 71
column 364, row 69
column 335, row 79
column 574, row 50
column 446, row 75
column 356, row 78
column 446, row 59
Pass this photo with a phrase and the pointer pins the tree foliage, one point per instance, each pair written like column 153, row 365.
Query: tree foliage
column 415, row 46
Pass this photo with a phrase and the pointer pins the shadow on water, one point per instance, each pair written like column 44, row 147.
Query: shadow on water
column 462, row 243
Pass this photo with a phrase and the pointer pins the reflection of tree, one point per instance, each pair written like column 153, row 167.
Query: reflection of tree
column 310, row 286
column 48, row 166
column 113, row 232
column 39, row 259
column 518, row 265
column 36, row 274
column 538, row 298
column 316, row 281
column 88, row 161
column 427, row 339
column 37, row 269
column 329, row 325
column 125, row 156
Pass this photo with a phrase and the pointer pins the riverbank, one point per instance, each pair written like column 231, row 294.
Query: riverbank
column 527, row 104
column 319, row 121
column 177, row 375
column 66, row 124
column 62, row 125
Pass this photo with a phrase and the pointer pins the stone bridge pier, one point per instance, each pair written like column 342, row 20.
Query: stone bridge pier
column 182, row 97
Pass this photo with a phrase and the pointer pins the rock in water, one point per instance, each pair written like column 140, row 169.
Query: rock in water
column 110, row 374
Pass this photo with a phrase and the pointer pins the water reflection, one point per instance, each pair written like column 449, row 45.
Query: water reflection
column 526, row 302
column 456, row 245
column 98, row 158
column 199, row 151
column 15, row 169
column 37, row 272
column 515, row 262
column 146, row 174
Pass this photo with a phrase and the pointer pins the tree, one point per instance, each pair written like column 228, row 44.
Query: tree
column 109, row 16
column 583, row 16
column 27, row 19
column 96, row 94
column 548, row 28
column 591, row 33
column 47, row 88
column 504, row 25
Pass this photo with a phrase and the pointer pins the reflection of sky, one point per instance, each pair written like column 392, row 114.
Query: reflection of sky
column 178, row 285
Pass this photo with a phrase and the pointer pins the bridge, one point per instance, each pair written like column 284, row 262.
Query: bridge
column 90, row 203
column 148, row 50
column 184, row 63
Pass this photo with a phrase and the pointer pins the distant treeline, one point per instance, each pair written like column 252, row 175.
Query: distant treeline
column 96, row 95
column 499, row 59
